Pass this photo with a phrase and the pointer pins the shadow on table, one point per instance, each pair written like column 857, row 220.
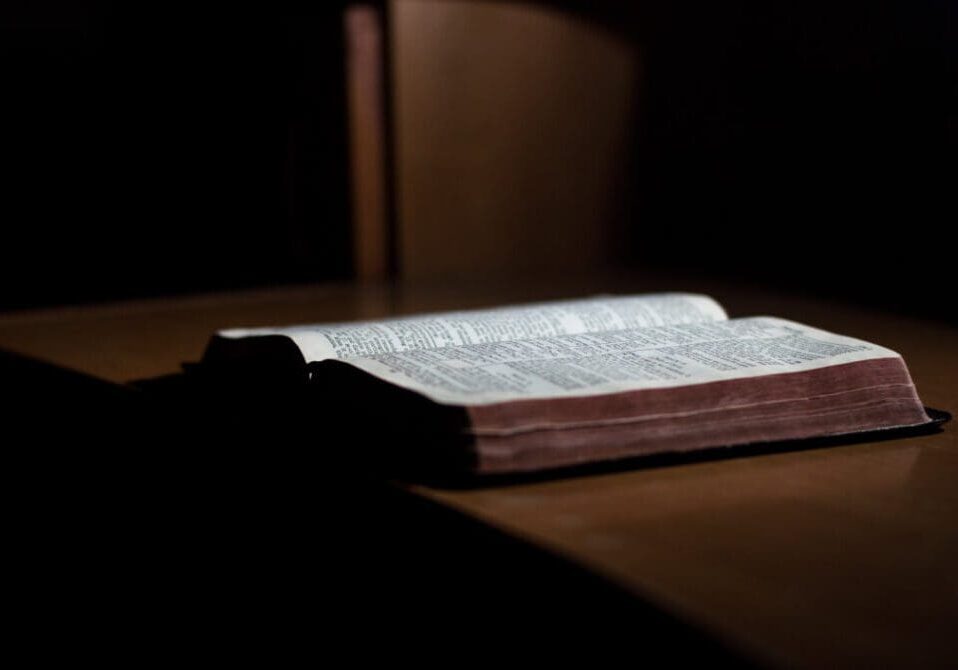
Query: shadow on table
column 168, row 516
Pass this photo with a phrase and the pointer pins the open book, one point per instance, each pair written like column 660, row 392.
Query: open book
column 555, row 384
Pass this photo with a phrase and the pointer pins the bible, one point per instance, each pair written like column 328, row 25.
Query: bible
column 555, row 384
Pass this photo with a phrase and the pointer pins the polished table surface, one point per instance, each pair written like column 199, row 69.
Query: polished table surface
column 843, row 555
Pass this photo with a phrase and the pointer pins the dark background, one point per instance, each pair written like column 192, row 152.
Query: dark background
column 809, row 145
column 165, row 148
column 153, row 147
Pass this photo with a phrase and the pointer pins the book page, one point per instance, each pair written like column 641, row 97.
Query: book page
column 615, row 361
column 344, row 341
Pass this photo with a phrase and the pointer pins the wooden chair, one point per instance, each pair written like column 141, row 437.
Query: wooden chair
column 495, row 141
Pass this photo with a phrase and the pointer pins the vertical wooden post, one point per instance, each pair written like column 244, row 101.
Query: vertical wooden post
column 365, row 98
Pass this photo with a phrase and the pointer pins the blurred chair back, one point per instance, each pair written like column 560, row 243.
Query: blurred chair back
column 511, row 140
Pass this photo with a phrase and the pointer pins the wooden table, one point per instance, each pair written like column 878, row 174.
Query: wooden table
column 827, row 557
